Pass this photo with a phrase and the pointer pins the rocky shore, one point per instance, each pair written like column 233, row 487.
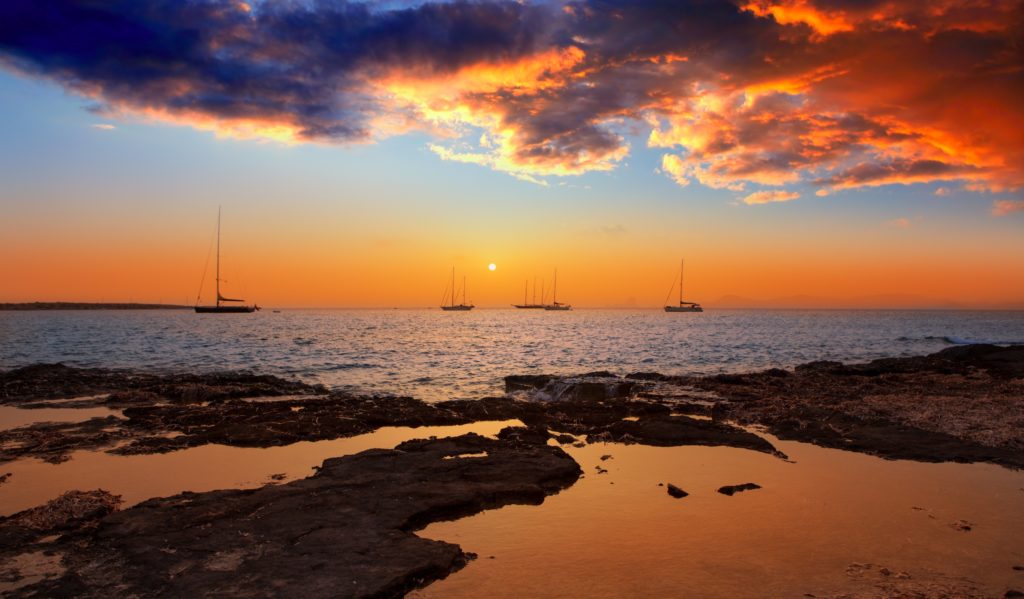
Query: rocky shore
column 349, row 530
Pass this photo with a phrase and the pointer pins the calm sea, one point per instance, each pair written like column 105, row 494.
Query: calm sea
column 435, row 355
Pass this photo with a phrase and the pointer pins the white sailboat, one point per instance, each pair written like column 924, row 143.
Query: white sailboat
column 683, row 306
column 528, row 305
column 217, row 308
column 460, row 307
column 555, row 305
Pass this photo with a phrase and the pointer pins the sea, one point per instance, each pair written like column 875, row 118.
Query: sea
column 435, row 355
column 825, row 522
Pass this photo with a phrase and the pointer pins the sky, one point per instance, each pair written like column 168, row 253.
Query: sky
column 826, row 153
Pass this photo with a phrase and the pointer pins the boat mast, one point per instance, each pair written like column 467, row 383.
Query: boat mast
column 453, row 286
column 681, row 281
column 554, row 292
column 463, row 290
column 535, row 290
column 526, row 291
column 218, row 256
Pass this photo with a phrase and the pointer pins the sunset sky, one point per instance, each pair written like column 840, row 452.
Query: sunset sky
column 826, row 152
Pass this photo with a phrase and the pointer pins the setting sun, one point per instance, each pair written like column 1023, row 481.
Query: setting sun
column 492, row 267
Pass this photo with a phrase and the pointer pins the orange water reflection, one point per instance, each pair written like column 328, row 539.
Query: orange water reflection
column 204, row 468
column 620, row 535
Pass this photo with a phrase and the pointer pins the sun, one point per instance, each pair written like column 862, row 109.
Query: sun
column 492, row 267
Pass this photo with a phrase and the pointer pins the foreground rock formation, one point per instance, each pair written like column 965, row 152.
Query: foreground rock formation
column 347, row 531
column 962, row 404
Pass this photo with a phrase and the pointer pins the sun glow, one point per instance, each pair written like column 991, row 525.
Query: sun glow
column 492, row 267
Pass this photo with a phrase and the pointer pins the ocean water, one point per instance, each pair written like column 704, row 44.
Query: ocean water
column 436, row 355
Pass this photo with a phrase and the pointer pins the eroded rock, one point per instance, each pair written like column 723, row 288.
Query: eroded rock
column 347, row 531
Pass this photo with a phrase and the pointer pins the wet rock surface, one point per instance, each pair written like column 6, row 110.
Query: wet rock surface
column 875, row 581
column 963, row 404
column 347, row 531
column 161, row 414
column 22, row 387
column 26, row 554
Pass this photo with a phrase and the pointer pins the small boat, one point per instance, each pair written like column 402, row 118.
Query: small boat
column 526, row 305
column 683, row 306
column 217, row 308
column 453, row 307
column 555, row 304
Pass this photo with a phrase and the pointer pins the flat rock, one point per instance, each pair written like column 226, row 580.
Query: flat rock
column 347, row 531
column 675, row 491
column 731, row 490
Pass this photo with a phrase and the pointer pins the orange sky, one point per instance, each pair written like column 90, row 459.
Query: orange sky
column 858, row 153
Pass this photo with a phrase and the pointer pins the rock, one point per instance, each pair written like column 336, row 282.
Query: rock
column 733, row 489
column 526, row 382
column 676, row 492
column 1019, row 568
column 587, row 389
column 74, row 509
column 647, row 376
column 1013, row 593
column 46, row 382
column 347, row 530
column 606, row 457
column 961, row 525
column 5, row 477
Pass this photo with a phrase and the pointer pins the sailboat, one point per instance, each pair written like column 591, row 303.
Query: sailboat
column 526, row 305
column 683, row 306
column 554, row 305
column 453, row 307
column 218, row 308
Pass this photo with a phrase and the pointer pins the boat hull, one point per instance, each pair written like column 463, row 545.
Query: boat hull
column 226, row 309
column 558, row 308
column 528, row 306
column 683, row 309
column 459, row 308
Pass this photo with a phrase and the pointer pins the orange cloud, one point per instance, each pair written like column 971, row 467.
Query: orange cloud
column 766, row 197
column 802, row 12
column 841, row 95
column 1004, row 207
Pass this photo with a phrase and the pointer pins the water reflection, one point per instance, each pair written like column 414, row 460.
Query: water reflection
column 204, row 468
column 621, row 535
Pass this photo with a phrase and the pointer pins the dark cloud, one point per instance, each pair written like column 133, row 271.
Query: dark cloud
column 297, row 62
column 748, row 92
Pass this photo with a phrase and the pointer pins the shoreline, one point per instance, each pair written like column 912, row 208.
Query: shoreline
column 50, row 306
column 974, row 396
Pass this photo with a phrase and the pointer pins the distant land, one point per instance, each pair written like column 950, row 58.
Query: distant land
column 90, row 306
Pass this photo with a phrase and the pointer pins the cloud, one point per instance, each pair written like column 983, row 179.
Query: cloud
column 840, row 94
column 104, row 126
column 942, row 191
column 901, row 223
column 616, row 230
column 767, row 197
column 1005, row 207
